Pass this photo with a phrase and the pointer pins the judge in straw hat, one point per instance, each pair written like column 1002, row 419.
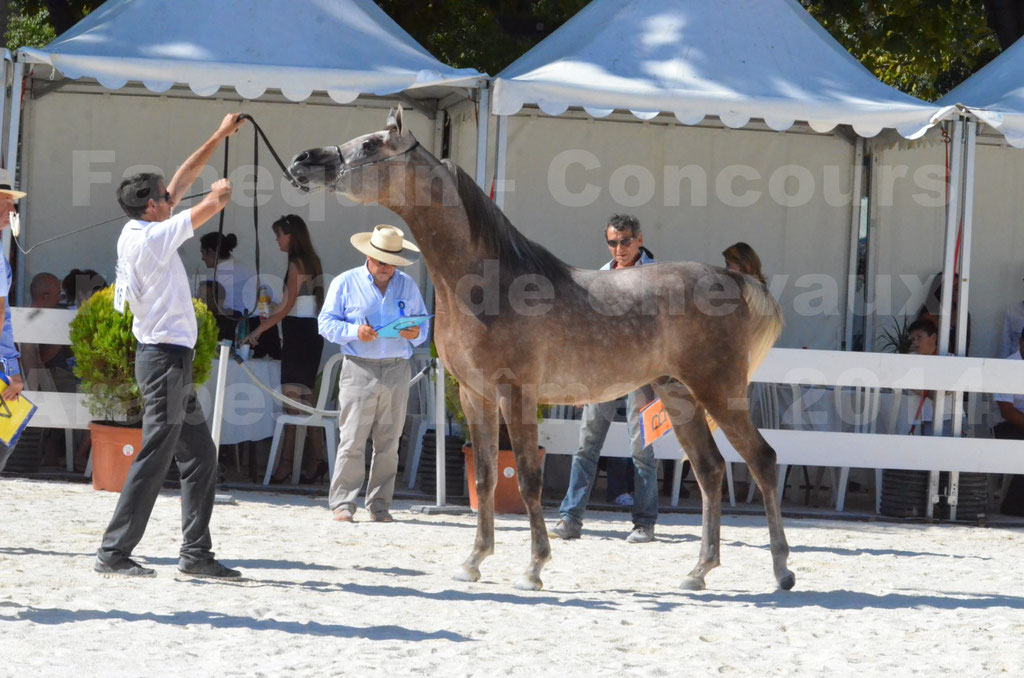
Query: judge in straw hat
column 8, row 351
column 374, row 384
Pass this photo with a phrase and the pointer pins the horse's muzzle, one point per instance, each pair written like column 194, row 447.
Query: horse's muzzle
column 315, row 167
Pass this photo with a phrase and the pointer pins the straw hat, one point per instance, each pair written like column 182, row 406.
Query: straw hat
column 5, row 185
column 386, row 244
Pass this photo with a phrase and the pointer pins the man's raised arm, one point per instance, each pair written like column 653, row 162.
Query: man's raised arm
column 190, row 169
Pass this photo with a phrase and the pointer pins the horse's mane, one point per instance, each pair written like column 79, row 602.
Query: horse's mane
column 517, row 255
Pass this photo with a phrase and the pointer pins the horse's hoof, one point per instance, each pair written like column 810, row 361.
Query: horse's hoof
column 529, row 583
column 467, row 574
column 692, row 584
column 787, row 581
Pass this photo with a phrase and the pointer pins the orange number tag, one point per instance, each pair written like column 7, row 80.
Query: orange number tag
column 654, row 422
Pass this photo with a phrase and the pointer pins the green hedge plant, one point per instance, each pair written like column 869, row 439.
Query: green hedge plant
column 104, row 349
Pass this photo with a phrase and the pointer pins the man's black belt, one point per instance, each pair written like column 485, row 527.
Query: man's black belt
column 165, row 348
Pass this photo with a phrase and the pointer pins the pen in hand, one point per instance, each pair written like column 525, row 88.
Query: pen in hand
column 366, row 332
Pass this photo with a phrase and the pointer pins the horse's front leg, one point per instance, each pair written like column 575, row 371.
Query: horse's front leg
column 520, row 412
column 482, row 417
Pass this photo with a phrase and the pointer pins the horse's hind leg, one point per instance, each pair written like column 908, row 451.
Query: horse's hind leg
column 729, row 408
column 482, row 416
column 691, row 429
column 519, row 411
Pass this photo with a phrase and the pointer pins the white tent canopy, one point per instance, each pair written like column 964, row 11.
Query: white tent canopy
column 995, row 94
column 735, row 59
column 343, row 47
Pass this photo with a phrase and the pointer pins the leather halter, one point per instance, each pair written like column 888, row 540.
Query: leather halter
column 345, row 169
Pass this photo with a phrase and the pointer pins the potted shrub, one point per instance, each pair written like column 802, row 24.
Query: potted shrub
column 104, row 349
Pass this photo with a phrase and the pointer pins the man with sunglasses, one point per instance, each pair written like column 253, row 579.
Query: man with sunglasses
column 625, row 242
column 152, row 279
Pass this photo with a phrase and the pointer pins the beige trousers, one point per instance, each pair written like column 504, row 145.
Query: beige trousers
column 372, row 400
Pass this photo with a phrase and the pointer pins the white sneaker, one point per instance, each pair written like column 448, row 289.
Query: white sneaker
column 641, row 534
column 624, row 499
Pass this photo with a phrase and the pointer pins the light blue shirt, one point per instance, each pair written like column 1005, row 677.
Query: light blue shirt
column 353, row 300
column 9, row 353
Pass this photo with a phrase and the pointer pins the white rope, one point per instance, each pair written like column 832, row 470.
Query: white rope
column 285, row 400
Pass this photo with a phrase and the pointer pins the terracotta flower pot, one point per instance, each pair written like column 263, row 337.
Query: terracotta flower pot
column 506, row 495
column 113, row 450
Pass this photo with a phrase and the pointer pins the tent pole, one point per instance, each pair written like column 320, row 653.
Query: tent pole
column 952, row 221
column 3, row 101
column 12, row 142
column 499, row 163
column 871, row 255
column 970, row 143
column 439, row 410
column 851, row 267
column 439, row 438
column 483, row 115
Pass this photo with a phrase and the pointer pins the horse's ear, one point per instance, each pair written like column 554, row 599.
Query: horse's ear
column 395, row 121
column 399, row 123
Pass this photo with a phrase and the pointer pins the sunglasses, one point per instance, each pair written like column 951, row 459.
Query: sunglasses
column 624, row 242
column 143, row 193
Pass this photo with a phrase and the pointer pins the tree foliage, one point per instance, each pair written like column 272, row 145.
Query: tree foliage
column 104, row 348
column 922, row 47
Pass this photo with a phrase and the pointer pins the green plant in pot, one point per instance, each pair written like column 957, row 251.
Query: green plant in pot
column 896, row 337
column 104, row 349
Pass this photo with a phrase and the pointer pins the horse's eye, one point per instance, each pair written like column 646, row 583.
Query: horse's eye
column 369, row 145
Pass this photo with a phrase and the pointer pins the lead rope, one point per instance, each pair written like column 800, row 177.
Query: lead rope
column 305, row 407
column 259, row 131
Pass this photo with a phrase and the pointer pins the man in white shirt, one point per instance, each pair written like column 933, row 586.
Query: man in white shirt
column 152, row 279
column 1011, row 407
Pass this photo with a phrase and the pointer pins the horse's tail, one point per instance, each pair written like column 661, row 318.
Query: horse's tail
column 766, row 321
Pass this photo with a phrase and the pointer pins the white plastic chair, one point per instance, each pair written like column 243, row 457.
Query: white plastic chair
column 302, row 421
column 765, row 399
column 858, row 408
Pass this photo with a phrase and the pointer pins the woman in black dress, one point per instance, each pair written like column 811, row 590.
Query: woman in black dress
column 301, row 341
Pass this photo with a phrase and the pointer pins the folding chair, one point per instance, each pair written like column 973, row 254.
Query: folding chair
column 302, row 421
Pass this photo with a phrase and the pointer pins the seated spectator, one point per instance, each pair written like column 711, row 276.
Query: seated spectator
column 1011, row 407
column 240, row 287
column 212, row 294
column 932, row 307
column 79, row 285
column 1013, row 325
column 924, row 340
column 47, row 367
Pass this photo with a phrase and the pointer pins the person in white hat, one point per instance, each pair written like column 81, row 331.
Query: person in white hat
column 8, row 351
column 374, row 383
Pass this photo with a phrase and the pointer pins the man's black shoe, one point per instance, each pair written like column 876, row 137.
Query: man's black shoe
column 207, row 568
column 124, row 568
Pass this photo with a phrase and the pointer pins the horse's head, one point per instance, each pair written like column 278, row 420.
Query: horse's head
column 359, row 168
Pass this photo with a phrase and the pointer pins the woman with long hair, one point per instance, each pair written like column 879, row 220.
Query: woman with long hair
column 301, row 340
column 742, row 258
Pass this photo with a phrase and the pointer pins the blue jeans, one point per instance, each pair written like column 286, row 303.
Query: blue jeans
column 596, row 420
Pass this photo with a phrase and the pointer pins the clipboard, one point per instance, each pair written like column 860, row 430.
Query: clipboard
column 14, row 417
column 390, row 330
